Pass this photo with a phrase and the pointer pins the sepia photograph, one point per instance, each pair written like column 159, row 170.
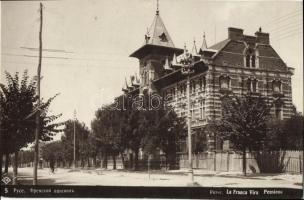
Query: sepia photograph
column 175, row 99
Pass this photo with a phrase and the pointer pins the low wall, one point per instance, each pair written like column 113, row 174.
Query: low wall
column 232, row 161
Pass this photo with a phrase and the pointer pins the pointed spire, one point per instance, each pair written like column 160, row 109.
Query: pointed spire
column 132, row 79
column 157, row 7
column 167, row 66
column 126, row 82
column 204, row 45
column 147, row 36
column 194, row 50
column 130, row 82
column 157, row 33
column 174, row 60
column 185, row 51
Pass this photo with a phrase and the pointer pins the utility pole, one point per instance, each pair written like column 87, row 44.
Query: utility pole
column 187, row 69
column 74, row 158
column 37, row 131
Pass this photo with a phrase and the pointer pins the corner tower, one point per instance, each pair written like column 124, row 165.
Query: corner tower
column 158, row 48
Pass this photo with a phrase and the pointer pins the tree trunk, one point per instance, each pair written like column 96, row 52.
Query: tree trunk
column 123, row 160
column 94, row 161
column 131, row 161
column 1, row 161
column 171, row 160
column 7, row 160
column 136, row 159
column 15, row 169
column 114, row 161
column 244, row 161
column 105, row 161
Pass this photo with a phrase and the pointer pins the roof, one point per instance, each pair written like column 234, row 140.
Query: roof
column 157, row 33
column 157, row 37
column 219, row 45
column 175, row 76
column 149, row 48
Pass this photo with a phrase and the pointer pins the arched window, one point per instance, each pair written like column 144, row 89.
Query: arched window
column 250, row 58
column 253, row 61
column 277, row 86
column 247, row 60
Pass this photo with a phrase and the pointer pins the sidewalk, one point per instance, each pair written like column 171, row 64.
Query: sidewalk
column 176, row 178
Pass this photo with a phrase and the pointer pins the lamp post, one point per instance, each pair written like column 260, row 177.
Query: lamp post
column 187, row 69
column 74, row 156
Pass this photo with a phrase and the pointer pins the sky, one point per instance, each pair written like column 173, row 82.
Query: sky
column 94, row 38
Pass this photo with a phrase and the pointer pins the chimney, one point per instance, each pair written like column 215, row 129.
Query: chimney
column 262, row 37
column 235, row 33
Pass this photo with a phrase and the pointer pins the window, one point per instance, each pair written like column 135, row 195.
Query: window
column 202, row 83
column 224, row 83
column 180, row 90
column 163, row 37
column 169, row 94
column 250, row 58
column 278, row 111
column 253, row 61
column 202, row 109
column 192, row 111
column 192, row 86
column 252, row 85
column 277, row 86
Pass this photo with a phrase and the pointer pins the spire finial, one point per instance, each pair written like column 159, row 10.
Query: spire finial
column 204, row 45
column 157, row 7
column 194, row 50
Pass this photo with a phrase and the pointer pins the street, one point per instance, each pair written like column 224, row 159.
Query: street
column 176, row 178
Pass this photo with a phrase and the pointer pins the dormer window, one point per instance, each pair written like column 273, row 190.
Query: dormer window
column 163, row 37
column 250, row 58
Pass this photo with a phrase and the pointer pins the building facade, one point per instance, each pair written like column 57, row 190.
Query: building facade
column 240, row 64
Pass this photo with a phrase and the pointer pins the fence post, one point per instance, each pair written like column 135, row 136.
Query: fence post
column 214, row 156
column 228, row 157
column 300, row 163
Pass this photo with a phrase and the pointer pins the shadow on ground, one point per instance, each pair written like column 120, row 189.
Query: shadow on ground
column 28, row 180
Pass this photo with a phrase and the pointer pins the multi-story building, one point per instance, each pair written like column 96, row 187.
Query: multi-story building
column 240, row 64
